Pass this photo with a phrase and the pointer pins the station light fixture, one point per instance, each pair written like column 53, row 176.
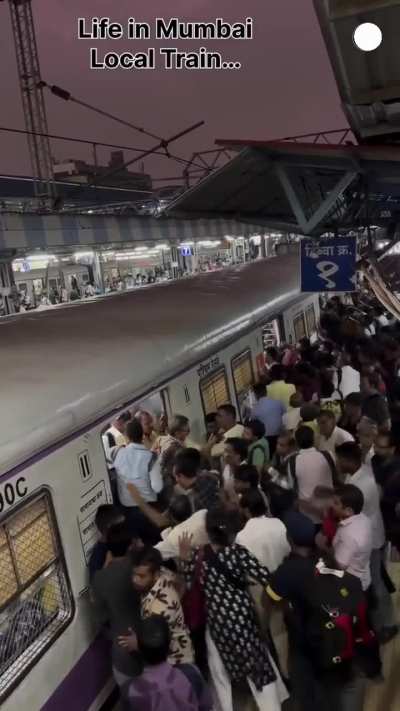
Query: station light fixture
column 368, row 37
column 40, row 257
column 209, row 243
column 83, row 255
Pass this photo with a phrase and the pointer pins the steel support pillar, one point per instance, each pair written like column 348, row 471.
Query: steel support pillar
column 8, row 288
column 98, row 275
column 177, row 262
column 307, row 227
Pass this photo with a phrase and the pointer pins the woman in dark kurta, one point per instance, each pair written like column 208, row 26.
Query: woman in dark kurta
column 237, row 651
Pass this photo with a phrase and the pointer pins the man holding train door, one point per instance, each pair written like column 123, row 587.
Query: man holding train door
column 134, row 464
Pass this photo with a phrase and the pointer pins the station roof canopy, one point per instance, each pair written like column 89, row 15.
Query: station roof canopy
column 368, row 82
column 309, row 189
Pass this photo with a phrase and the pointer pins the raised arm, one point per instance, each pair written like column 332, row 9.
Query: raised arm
column 160, row 520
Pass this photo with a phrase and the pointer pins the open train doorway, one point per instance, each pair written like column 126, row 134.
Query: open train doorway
column 272, row 334
column 153, row 411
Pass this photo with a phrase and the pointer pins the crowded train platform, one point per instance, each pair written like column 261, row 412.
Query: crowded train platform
column 255, row 568
column 200, row 478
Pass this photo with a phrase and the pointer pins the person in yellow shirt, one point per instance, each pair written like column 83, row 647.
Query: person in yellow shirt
column 278, row 389
column 309, row 414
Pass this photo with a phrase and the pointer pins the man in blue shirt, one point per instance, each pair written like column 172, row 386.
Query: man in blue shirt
column 134, row 464
column 270, row 412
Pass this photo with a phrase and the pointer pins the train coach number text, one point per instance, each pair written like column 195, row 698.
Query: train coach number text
column 12, row 491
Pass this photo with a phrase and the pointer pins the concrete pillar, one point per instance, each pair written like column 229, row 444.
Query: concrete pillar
column 174, row 261
column 263, row 247
column 98, row 275
column 178, row 262
column 8, row 288
column 195, row 257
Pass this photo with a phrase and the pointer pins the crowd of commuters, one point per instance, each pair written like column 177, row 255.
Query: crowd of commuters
column 255, row 562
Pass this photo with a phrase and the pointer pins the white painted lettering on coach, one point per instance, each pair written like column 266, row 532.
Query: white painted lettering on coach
column 12, row 491
column 90, row 502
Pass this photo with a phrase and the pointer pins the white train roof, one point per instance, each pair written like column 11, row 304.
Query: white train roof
column 64, row 368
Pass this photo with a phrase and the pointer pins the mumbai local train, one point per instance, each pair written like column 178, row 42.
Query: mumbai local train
column 184, row 347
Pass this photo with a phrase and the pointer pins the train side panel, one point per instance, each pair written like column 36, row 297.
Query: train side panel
column 73, row 482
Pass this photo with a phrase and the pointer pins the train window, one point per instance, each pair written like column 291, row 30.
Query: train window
column 35, row 599
column 299, row 327
column 243, row 376
column 214, row 391
column 311, row 320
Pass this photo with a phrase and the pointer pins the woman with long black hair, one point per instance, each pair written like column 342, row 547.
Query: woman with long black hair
column 237, row 652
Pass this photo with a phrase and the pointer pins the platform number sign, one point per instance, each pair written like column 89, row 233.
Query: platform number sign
column 186, row 251
column 84, row 466
column 329, row 265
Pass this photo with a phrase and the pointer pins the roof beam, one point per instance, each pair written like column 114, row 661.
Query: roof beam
column 291, row 196
column 330, row 201
column 308, row 226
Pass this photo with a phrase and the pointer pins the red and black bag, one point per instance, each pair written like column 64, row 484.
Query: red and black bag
column 336, row 621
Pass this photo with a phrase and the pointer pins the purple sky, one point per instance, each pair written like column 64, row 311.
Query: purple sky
column 285, row 86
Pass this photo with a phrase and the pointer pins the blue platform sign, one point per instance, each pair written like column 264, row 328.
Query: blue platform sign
column 329, row 265
column 186, row 251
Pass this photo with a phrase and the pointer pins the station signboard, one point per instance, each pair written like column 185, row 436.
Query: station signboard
column 186, row 251
column 329, row 265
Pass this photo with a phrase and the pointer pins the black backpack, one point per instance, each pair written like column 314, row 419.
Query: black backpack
column 336, row 626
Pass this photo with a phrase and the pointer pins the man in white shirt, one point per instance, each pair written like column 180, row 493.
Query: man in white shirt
column 346, row 379
column 235, row 454
column 291, row 419
column 311, row 467
column 330, row 435
column 193, row 525
column 264, row 537
column 352, row 544
column 228, row 426
column 360, row 474
column 135, row 464
column 367, row 432
column 115, row 436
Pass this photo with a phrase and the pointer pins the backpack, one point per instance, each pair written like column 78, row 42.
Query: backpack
column 326, row 455
column 336, row 624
